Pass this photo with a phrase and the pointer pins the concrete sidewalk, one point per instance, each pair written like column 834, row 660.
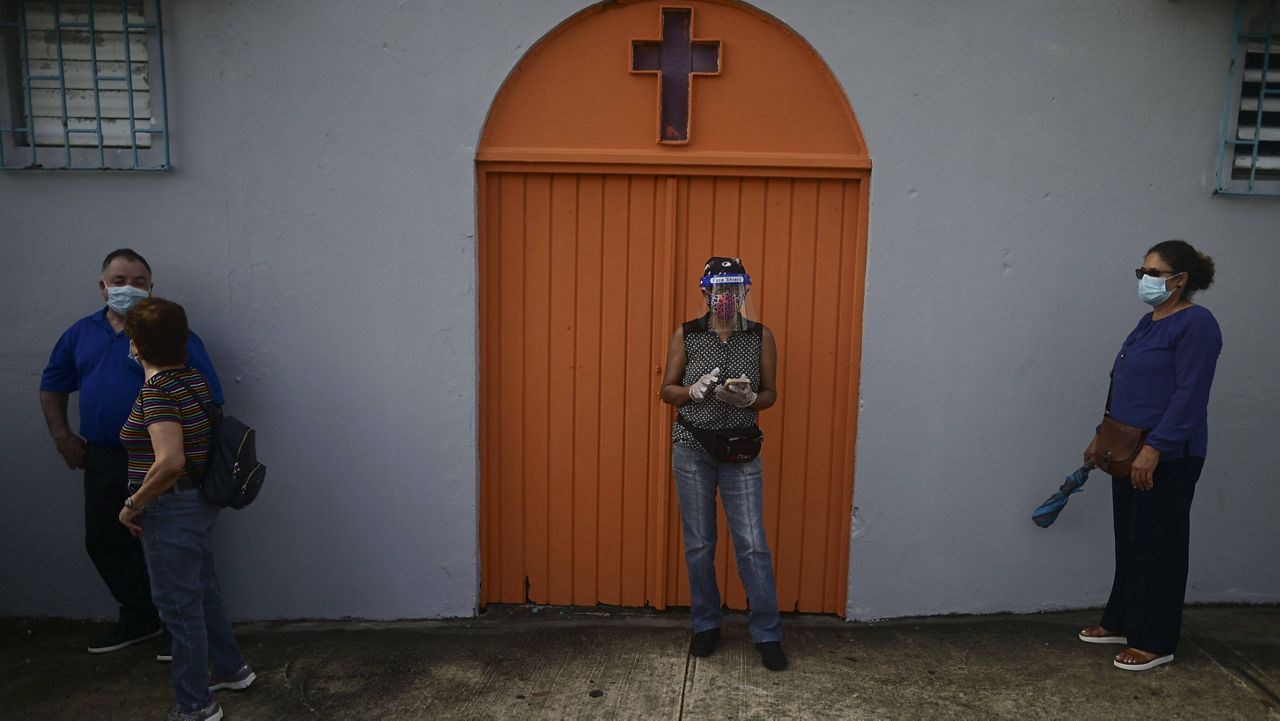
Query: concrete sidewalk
column 518, row 663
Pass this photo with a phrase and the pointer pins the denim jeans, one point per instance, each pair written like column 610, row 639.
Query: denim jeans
column 176, row 530
column 741, row 487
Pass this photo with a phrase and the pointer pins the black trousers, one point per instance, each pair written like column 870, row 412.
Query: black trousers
column 1153, row 535
column 115, row 553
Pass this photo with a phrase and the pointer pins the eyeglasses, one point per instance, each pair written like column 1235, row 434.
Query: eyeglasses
column 1153, row 272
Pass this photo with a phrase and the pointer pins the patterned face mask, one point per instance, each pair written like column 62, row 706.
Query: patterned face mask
column 725, row 306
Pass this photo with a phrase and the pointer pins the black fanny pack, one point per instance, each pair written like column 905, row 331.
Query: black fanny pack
column 727, row 445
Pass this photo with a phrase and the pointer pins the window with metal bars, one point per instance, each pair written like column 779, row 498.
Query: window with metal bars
column 1249, row 156
column 82, row 85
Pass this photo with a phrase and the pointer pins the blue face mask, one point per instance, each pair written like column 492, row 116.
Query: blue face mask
column 122, row 298
column 1152, row 290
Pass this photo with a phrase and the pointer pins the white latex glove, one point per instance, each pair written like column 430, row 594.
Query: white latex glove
column 738, row 399
column 698, row 390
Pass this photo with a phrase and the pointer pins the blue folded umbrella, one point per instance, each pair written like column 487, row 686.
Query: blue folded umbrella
column 1047, row 513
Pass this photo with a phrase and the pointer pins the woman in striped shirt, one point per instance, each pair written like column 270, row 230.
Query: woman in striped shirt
column 167, row 432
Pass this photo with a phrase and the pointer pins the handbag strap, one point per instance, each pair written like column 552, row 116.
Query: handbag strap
column 1124, row 348
column 702, row 435
column 210, row 410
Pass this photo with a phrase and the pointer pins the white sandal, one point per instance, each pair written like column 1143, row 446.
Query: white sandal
column 1157, row 661
column 1104, row 639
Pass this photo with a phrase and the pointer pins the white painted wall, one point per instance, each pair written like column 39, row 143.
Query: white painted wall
column 320, row 229
column 1026, row 156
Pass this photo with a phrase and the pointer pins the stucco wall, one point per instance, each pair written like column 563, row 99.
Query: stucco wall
column 320, row 230
column 1026, row 156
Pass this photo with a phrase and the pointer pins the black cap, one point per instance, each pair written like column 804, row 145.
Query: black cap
column 717, row 265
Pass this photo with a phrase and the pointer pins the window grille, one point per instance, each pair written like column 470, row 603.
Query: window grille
column 1249, row 156
column 82, row 85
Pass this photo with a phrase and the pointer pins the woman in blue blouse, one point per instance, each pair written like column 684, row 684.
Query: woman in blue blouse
column 1160, row 381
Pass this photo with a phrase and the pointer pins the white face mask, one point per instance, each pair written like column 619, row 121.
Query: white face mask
column 122, row 298
column 1153, row 290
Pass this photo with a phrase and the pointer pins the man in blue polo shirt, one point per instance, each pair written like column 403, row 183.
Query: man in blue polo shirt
column 92, row 357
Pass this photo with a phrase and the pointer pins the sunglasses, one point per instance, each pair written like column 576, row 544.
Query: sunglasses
column 1153, row 272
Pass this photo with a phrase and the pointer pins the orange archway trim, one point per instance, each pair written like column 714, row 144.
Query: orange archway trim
column 773, row 102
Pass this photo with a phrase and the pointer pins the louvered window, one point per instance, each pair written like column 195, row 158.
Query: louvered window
column 82, row 85
column 1249, row 159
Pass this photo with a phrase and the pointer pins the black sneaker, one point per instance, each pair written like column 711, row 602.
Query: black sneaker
column 704, row 643
column 118, row 637
column 165, row 654
column 772, row 656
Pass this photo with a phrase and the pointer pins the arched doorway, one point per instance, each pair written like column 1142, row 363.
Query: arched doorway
column 632, row 142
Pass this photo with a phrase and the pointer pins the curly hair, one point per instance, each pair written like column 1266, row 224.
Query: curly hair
column 1185, row 259
column 159, row 328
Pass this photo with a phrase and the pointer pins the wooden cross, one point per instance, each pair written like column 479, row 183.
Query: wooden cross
column 675, row 57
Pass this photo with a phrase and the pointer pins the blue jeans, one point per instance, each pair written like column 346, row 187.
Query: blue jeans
column 742, row 492
column 175, row 539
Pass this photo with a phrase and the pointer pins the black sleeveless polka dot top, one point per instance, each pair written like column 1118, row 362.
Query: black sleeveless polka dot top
column 735, row 358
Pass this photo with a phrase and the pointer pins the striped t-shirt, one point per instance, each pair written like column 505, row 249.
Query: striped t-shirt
column 164, row 398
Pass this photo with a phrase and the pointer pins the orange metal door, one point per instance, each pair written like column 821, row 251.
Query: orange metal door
column 574, row 318
column 584, row 278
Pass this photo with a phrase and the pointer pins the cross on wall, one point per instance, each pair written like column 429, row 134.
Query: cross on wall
column 675, row 57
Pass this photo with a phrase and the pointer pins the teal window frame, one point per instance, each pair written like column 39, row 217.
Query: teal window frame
column 22, row 150
column 1239, row 141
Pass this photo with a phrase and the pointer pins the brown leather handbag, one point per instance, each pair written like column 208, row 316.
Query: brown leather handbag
column 1116, row 445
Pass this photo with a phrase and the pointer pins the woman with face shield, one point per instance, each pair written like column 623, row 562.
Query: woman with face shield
column 726, row 297
column 721, row 370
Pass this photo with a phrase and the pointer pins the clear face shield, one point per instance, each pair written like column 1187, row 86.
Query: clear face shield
column 728, row 301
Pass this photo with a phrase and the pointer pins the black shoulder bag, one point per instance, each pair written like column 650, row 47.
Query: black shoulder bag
column 233, row 476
